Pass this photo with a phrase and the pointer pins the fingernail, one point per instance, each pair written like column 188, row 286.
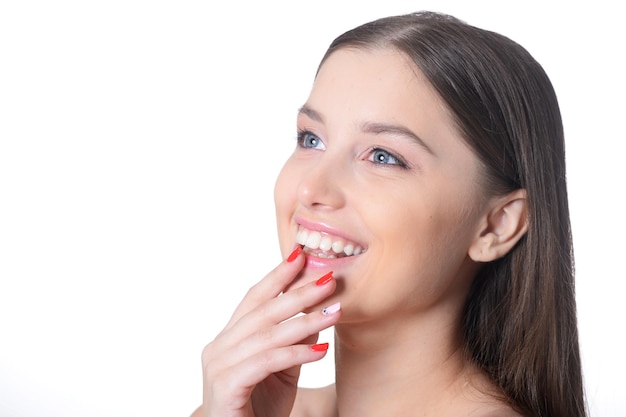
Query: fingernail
column 320, row 347
column 325, row 279
column 331, row 309
column 295, row 253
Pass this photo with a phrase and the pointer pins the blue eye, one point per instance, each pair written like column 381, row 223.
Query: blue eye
column 308, row 140
column 382, row 157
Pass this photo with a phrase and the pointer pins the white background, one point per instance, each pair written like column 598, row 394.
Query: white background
column 139, row 143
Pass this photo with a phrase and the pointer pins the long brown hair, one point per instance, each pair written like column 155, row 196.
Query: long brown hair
column 520, row 321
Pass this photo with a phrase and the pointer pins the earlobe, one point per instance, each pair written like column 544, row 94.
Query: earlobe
column 505, row 224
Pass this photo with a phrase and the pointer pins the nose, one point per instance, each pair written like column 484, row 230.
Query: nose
column 322, row 185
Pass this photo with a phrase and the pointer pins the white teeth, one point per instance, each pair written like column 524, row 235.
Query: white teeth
column 338, row 246
column 328, row 248
column 326, row 243
column 313, row 241
column 302, row 237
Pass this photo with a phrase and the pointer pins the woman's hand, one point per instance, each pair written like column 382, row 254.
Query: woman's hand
column 251, row 369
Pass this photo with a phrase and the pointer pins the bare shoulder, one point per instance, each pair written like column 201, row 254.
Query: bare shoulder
column 315, row 402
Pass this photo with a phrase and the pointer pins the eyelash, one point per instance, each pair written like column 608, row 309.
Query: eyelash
column 400, row 162
column 302, row 134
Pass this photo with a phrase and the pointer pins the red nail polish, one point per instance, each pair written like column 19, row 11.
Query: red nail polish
column 325, row 279
column 295, row 253
column 320, row 347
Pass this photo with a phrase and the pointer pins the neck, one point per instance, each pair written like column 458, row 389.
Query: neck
column 409, row 365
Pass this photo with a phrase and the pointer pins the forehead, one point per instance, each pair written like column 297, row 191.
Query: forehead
column 384, row 75
column 381, row 65
column 380, row 85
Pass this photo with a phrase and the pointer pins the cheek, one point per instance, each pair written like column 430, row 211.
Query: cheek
column 424, row 238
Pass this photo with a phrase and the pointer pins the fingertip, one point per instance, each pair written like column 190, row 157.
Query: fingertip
column 320, row 347
column 294, row 254
column 325, row 279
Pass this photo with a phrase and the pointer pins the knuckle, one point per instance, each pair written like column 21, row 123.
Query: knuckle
column 301, row 291
column 311, row 320
column 302, row 295
column 262, row 311
column 208, row 354
column 252, row 292
column 265, row 335
column 266, row 359
column 293, row 353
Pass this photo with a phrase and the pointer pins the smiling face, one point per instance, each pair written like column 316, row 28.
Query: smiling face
column 380, row 173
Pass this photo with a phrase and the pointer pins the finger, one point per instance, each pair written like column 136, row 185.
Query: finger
column 310, row 340
column 271, row 285
column 244, row 376
column 288, row 333
column 278, row 310
column 294, row 371
column 252, row 335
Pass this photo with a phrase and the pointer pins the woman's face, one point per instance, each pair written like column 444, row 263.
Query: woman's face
column 381, row 189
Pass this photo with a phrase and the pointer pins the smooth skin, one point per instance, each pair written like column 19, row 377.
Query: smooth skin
column 378, row 160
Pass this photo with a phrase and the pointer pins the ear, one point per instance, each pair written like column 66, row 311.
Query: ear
column 504, row 225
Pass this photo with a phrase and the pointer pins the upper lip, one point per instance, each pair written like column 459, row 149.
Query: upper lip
column 326, row 228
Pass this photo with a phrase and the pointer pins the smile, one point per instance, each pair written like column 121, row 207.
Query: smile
column 324, row 245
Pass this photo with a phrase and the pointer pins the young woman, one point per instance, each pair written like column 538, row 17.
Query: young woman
column 424, row 215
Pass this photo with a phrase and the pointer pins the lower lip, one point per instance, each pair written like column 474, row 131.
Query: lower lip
column 313, row 262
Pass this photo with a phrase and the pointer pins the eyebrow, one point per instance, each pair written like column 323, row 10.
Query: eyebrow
column 396, row 130
column 312, row 114
column 374, row 128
